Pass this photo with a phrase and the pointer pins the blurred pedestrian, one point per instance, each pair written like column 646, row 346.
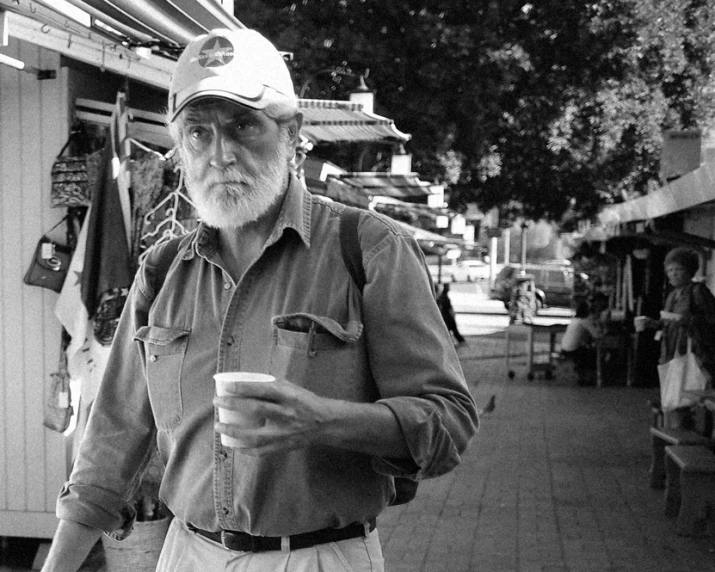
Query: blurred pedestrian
column 448, row 315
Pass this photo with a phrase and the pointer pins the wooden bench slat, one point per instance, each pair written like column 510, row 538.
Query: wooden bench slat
column 695, row 459
column 679, row 436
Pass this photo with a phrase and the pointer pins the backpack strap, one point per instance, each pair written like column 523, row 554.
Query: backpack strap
column 405, row 488
column 350, row 245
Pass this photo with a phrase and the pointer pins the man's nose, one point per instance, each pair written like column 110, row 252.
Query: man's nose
column 222, row 153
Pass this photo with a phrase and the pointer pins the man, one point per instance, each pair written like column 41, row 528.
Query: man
column 445, row 307
column 368, row 383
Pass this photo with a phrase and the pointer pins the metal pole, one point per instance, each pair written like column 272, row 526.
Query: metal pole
column 524, row 226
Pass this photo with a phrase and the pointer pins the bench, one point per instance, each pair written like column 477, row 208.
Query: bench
column 690, row 488
column 660, row 438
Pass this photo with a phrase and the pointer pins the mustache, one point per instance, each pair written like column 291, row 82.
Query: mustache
column 228, row 176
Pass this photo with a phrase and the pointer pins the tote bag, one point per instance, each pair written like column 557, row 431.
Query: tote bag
column 678, row 375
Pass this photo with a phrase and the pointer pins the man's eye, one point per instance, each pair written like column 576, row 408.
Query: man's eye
column 242, row 128
column 198, row 133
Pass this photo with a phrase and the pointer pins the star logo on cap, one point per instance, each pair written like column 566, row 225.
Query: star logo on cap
column 215, row 53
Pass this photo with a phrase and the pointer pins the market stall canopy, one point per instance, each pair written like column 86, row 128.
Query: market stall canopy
column 139, row 39
column 161, row 24
column 431, row 239
column 332, row 121
column 693, row 189
column 385, row 184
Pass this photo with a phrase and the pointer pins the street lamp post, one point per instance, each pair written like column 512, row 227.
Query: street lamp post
column 524, row 226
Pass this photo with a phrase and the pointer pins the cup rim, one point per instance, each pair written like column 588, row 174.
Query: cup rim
column 230, row 377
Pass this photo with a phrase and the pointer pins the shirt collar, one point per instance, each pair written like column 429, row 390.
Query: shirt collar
column 295, row 213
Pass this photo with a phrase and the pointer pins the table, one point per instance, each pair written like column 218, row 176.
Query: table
column 528, row 331
column 706, row 397
column 615, row 344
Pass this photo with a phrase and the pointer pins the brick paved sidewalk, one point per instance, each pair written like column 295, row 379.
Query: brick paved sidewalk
column 555, row 481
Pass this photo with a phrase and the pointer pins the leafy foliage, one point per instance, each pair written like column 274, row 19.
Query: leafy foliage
column 548, row 109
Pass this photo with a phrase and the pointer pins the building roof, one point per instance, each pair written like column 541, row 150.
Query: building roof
column 331, row 121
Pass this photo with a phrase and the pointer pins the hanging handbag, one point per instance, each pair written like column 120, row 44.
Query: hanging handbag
column 678, row 376
column 72, row 174
column 49, row 265
column 58, row 407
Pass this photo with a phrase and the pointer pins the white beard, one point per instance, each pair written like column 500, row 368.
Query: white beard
column 232, row 199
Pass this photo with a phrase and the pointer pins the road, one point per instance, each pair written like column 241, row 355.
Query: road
column 478, row 315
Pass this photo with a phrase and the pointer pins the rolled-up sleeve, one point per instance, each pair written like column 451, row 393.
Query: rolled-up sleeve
column 413, row 359
column 120, row 434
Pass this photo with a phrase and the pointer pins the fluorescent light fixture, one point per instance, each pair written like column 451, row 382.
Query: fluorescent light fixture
column 22, row 66
column 12, row 62
column 71, row 11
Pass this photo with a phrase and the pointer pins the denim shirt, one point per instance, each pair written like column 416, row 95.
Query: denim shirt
column 297, row 315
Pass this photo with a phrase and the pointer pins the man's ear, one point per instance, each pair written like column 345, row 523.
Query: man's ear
column 294, row 129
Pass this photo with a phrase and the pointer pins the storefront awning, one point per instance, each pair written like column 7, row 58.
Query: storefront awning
column 428, row 240
column 161, row 24
column 386, row 184
column 693, row 189
column 141, row 39
column 332, row 121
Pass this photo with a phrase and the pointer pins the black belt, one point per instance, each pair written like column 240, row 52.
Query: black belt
column 244, row 542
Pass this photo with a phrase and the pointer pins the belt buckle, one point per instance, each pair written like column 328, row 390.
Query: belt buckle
column 224, row 534
column 228, row 537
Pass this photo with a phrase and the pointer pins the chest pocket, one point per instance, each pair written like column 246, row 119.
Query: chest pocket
column 164, row 352
column 321, row 355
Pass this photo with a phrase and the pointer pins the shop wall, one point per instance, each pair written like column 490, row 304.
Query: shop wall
column 33, row 128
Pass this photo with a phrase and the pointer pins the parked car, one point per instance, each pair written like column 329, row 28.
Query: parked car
column 469, row 271
column 554, row 284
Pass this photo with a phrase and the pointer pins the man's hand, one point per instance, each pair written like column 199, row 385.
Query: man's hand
column 281, row 416
column 278, row 416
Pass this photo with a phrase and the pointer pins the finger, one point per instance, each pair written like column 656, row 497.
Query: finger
column 248, row 406
column 257, row 442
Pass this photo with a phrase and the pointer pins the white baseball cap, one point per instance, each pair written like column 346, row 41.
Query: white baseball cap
column 238, row 65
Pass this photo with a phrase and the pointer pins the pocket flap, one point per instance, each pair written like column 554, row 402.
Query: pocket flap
column 159, row 336
column 301, row 322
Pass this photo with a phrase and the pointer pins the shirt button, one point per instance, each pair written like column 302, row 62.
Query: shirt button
column 224, row 454
column 226, row 285
column 225, row 511
column 153, row 357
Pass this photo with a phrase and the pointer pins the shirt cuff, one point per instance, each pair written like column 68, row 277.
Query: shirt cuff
column 97, row 508
column 431, row 447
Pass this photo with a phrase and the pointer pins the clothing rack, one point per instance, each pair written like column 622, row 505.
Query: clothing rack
column 170, row 226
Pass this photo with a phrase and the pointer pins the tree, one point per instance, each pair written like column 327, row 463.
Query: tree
column 541, row 109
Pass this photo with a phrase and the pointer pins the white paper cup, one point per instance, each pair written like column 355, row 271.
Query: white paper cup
column 224, row 380
column 639, row 322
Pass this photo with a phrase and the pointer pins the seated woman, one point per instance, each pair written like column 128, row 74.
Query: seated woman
column 578, row 342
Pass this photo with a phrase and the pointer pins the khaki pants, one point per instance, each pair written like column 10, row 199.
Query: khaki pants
column 186, row 551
